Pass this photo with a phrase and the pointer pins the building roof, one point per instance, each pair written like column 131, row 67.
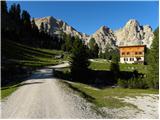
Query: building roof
column 132, row 46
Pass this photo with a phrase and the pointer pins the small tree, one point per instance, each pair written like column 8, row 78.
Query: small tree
column 79, row 61
column 114, row 67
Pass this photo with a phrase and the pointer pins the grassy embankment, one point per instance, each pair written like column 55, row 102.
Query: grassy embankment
column 108, row 97
column 25, row 56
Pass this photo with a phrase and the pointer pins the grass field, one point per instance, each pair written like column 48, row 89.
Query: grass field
column 108, row 97
column 29, row 56
column 101, row 64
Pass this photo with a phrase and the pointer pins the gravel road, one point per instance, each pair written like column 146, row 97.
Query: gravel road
column 42, row 96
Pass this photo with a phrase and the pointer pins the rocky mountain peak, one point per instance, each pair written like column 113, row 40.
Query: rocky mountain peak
column 57, row 26
column 132, row 22
column 104, row 36
column 133, row 33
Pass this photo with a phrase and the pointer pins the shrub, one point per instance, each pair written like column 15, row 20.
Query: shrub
column 133, row 83
column 62, row 74
column 122, row 83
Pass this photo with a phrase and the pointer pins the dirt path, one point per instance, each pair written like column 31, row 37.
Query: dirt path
column 42, row 97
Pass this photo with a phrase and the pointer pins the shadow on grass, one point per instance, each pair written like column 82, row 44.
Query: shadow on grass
column 98, row 78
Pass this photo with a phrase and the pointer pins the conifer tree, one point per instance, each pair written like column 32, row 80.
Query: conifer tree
column 42, row 27
column 79, row 61
column 153, row 58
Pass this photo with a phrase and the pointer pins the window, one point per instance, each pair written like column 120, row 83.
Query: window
column 128, row 53
column 136, row 53
column 123, row 53
column 140, row 53
column 125, row 59
column 131, row 59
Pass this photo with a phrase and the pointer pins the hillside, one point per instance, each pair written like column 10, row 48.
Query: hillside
column 18, row 60
column 29, row 56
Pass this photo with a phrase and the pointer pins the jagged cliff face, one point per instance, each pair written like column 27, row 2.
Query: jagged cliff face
column 104, row 36
column 54, row 26
column 133, row 33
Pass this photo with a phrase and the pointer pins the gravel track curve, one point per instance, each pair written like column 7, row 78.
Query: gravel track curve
column 42, row 96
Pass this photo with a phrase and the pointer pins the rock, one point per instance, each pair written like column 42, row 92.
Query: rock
column 134, row 34
column 56, row 26
column 104, row 36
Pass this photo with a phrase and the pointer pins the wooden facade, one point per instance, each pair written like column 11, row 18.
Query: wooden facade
column 132, row 54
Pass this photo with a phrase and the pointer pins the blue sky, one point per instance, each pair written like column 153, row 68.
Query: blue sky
column 87, row 17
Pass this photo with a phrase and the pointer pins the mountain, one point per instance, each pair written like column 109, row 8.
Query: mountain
column 54, row 26
column 133, row 33
column 104, row 36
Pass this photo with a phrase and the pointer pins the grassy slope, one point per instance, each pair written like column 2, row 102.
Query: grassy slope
column 6, row 91
column 107, row 97
column 29, row 57
column 33, row 57
column 104, row 65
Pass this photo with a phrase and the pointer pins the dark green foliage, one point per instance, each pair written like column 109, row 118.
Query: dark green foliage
column 93, row 48
column 42, row 27
column 109, row 53
column 146, row 58
column 122, row 83
column 133, row 83
column 4, row 7
column 68, row 43
column 114, row 67
column 62, row 74
column 153, row 58
column 26, row 20
column 79, row 61
column 4, row 15
column 34, row 26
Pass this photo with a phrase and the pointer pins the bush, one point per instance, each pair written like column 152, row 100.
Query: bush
column 133, row 83
column 123, row 83
column 62, row 74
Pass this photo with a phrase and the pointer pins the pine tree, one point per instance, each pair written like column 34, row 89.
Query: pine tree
column 4, row 8
column 4, row 15
column 114, row 68
column 45, row 28
column 79, row 61
column 94, row 49
column 26, row 19
column 18, row 12
column 34, row 26
column 42, row 27
column 153, row 58
column 12, row 11
column 68, row 43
